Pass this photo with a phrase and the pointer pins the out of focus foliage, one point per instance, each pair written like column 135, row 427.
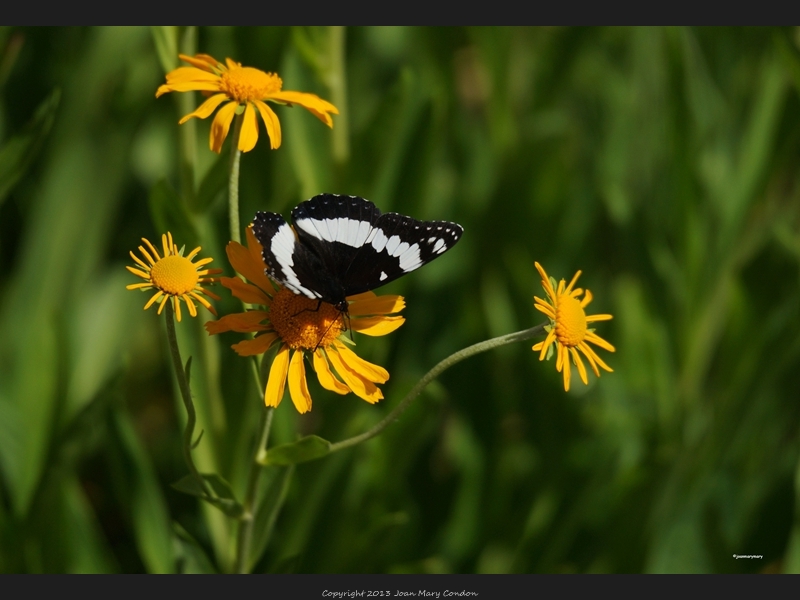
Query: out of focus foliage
column 664, row 163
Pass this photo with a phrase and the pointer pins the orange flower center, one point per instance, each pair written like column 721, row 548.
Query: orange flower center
column 304, row 323
column 174, row 275
column 245, row 84
column 570, row 321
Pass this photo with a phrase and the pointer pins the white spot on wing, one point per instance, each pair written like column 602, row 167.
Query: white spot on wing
column 400, row 249
column 439, row 247
column 379, row 241
column 282, row 246
column 383, row 275
column 410, row 259
column 392, row 244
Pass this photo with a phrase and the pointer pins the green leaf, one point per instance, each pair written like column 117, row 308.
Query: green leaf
column 137, row 483
column 224, row 500
column 169, row 214
column 308, row 448
column 273, row 494
column 213, row 183
column 165, row 39
column 18, row 153
column 190, row 556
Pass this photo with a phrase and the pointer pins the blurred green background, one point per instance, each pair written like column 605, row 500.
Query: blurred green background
column 664, row 163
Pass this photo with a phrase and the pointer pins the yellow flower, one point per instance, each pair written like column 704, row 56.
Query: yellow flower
column 174, row 276
column 300, row 326
column 240, row 86
column 568, row 327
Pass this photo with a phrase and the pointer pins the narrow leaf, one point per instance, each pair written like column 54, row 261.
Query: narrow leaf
column 303, row 450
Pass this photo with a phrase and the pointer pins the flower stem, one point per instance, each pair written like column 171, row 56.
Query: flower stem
column 233, row 180
column 186, row 394
column 433, row 374
column 337, row 81
column 247, row 520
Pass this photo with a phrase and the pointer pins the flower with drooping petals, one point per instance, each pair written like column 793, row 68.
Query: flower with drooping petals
column 301, row 327
column 173, row 276
column 568, row 329
column 232, row 86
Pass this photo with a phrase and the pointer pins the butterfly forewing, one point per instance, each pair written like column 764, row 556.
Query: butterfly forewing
column 288, row 262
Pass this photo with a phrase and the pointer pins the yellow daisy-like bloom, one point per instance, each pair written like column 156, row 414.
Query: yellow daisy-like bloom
column 173, row 276
column 239, row 86
column 300, row 326
column 568, row 329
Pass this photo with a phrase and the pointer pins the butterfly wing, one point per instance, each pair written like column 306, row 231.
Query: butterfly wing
column 335, row 228
column 288, row 261
column 344, row 245
column 398, row 245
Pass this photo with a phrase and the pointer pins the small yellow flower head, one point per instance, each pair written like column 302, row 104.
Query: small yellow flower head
column 237, row 86
column 299, row 325
column 568, row 327
column 173, row 276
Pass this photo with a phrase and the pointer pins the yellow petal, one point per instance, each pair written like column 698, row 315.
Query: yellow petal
column 545, row 280
column 220, row 126
column 598, row 341
column 243, row 261
column 257, row 345
column 277, row 377
column 565, row 363
column 154, row 298
column 571, row 283
column 595, row 318
column 377, row 305
column 246, row 292
column 188, row 86
column 248, row 136
column 205, row 109
column 582, row 347
column 366, row 390
column 376, row 326
column 588, row 351
column 298, row 387
column 190, row 74
column 366, row 369
column 138, row 272
column 326, row 376
column 362, row 296
column 190, row 304
column 311, row 102
column 206, row 62
column 241, row 322
column 551, row 336
column 579, row 363
column 272, row 124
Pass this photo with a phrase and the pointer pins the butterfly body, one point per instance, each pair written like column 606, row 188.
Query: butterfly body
column 340, row 246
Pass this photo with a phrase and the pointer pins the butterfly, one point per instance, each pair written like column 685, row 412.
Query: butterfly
column 339, row 246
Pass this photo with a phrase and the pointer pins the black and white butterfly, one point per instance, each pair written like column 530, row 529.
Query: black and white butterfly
column 343, row 245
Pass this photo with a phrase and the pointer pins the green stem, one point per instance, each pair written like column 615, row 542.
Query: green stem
column 247, row 520
column 337, row 81
column 233, row 180
column 433, row 374
column 187, row 145
column 186, row 394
